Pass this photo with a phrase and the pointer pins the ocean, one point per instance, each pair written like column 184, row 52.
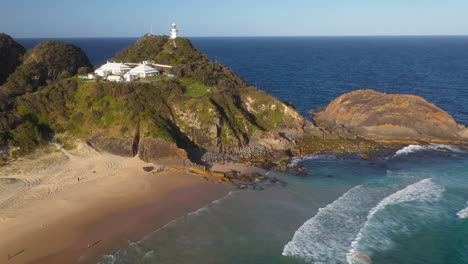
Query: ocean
column 407, row 207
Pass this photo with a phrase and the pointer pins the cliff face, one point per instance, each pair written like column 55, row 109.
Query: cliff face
column 388, row 117
column 10, row 56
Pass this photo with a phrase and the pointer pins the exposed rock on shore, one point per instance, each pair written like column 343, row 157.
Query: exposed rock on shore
column 389, row 117
column 161, row 152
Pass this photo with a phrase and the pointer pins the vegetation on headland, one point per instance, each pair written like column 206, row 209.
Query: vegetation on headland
column 206, row 107
column 11, row 54
column 204, row 113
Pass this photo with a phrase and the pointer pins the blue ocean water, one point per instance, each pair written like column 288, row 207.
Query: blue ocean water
column 408, row 207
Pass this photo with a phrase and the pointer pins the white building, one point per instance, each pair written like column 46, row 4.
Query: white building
column 112, row 68
column 129, row 77
column 174, row 31
column 143, row 71
column 115, row 78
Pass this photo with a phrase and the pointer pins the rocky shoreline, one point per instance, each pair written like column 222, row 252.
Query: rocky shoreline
column 165, row 123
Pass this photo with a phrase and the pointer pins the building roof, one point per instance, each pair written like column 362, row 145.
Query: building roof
column 114, row 66
column 114, row 77
column 142, row 68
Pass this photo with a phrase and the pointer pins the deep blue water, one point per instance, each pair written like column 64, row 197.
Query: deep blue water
column 312, row 71
column 409, row 207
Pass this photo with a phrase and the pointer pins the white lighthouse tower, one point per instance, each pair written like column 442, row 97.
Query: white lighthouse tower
column 174, row 31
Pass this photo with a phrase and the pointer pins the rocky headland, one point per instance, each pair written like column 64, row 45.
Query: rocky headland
column 206, row 114
column 389, row 118
column 88, row 158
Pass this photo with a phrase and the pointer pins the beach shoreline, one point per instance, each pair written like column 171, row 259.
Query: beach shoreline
column 83, row 219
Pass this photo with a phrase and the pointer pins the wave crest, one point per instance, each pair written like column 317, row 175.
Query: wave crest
column 437, row 147
column 463, row 213
column 422, row 191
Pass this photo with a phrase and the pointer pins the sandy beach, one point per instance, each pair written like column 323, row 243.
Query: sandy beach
column 72, row 207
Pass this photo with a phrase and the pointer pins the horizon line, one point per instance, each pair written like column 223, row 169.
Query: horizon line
column 247, row 36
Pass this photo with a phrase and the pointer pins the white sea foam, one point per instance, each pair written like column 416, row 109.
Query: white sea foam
column 325, row 238
column 438, row 147
column 108, row 259
column 422, row 191
column 194, row 213
column 149, row 254
column 463, row 213
column 295, row 160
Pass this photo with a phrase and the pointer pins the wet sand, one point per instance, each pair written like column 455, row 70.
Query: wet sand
column 48, row 216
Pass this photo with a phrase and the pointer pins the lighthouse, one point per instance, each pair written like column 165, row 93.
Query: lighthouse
column 174, row 31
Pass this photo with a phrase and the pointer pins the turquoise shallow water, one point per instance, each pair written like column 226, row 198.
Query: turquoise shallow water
column 397, row 209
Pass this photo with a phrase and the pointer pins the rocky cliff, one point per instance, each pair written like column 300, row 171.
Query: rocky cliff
column 206, row 108
column 10, row 56
column 389, row 117
column 203, row 114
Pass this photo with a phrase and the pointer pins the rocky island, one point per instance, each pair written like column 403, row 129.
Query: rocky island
column 146, row 140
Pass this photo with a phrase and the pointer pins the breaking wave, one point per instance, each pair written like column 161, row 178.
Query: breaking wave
column 422, row 191
column 463, row 213
column 437, row 147
column 296, row 160
column 326, row 237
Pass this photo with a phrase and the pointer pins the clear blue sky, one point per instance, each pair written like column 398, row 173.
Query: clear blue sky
column 132, row 18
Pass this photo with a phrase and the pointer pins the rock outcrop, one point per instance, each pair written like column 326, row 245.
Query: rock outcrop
column 114, row 145
column 10, row 56
column 389, row 117
column 162, row 152
column 206, row 113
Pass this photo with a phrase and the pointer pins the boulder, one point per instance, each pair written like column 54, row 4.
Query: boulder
column 115, row 145
column 162, row 152
column 389, row 117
